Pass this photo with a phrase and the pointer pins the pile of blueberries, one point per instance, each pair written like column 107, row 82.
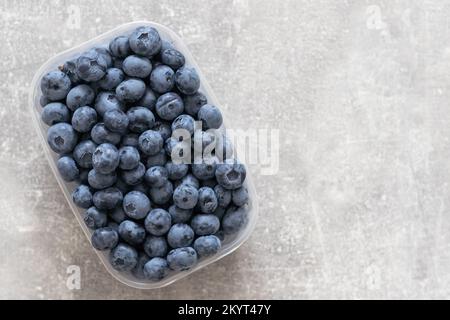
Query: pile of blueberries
column 112, row 112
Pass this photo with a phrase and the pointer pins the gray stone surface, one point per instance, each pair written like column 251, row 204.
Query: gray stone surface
column 360, row 93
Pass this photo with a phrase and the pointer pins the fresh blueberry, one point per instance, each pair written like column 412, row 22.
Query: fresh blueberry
column 100, row 134
column 92, row 65
column 187, row 80
column 95, row 218
column 138, row 270
column 82, row 153
column 205, row 169
column 240, row 196
column 116, row 121
column 163, row 128
column 112, row 78
column 161, row 195
column 62, row 138
column 189, row 179
column 120, row 47
column 180, row 235
column 98, row 180
column 207, row 200
column 129, row 158
column 104, row 238
column 131, row 232
column 105, row 54
column 193, row 103
column 108, row 198
column 185, row 196
column 150, row 142
column 140, row 119
column 106, row 101
column 234, row 219
column 185, row 122
column 130, row 90
column 55, row 112
column 181, row 259
column 158, row 222
column 176, row 171
column 105, row 158
column 133, row 176
column 155, row 246
column 173, row 58
column 136, row 205
column 205, row 224
column 176, row 149
column 156, row 269
column 84, row 119
column 67, row 168
column 145, row 41
column 210, row 116
column 223, row 196
column 130, row 140
column 169, row 106
column 117, row 214
column 136, row 66
column 157, row 160
column 207, row 246
column 55, row 85
column 123, row 257
column 161, row 79
column 156, row 176
column 70, row 68
column 179, row 215
column 230, row 174
column 82, row 196
column 205, row 142
column 148, row 100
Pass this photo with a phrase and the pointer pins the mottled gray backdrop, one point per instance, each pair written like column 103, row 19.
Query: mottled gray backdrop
column 360, row 206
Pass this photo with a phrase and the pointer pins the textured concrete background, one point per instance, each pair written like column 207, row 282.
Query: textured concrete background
column 360, row 91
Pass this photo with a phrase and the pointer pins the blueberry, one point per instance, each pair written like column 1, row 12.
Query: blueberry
column 105, row 54
column 136, row 205
column 155, row 246
column 163, row 128
column 173, row 58
column 145, row 41
column 131, row 232
column 136, row 66
column 55, row 85
column 158, row 222
column 100, row 134
column 205, row 169
column 98, row 180
column 207, row 200
column 67, row 168
column 176, row 171
column 104, row 238
column 79, row 96
column 70, row 68
column 206, row 140
column 240, row 196
column 130, row 90
column 140, row 119
column 82, row 153
column 55, row 112
column 161, row 79
column 106, row 101
column 92, row 65
column 156, row 176
column 185, row 196
column 84, row 119
column 105, row 158
column 130, row 140
column 180, row 235
column 185, row 122
column 223, row 196
column 179, row 215
column 134, row 176
column 95, row 218
column 129, row 158
column 169, row 106
column 148, row 100
column 138, row 270
column 156, row 269
column 62, row 138
column 82, row 196
column 108, row 198
column 207, row 246
column 158, row 159
column 191, row 180
column 230, row 174
column 117, row 214
column 112, row 78
column 120, row 47
column 223, row 148
column 161, row 195
column 205, row 224
column 210, row 116
column 123, row 257
column 234, row 219
column 187, row 80
column 150, row 142
column 116, row 121
column 193, row 103
column 181, row 259
column 176, row 149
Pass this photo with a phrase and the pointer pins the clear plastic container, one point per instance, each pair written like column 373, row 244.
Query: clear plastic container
column 228, row 246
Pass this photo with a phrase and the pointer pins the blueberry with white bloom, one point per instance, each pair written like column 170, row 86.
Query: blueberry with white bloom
column 62, row 138
column 67, row 168
column 84, row 119
column 180, row 235
column 82, row 153
column 82, row 196
column 55, row 85
column 105, row 158
column 131, row 232
column 104, row 238
column 108, row 198
column 123, row 257
column 136, row 205
column 55, row 112
column 182, row 259
column 158, row 222
column 129, row 158
column 207, row 246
